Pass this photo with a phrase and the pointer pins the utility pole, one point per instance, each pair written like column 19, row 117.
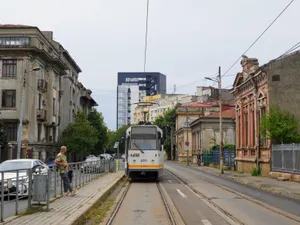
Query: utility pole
column 21, row 116
column 221, row 127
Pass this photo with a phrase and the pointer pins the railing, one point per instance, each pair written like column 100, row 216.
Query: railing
column 286, row 158
column 213, row 157
column 42, row 85
column 41, row 114
column 20, row 189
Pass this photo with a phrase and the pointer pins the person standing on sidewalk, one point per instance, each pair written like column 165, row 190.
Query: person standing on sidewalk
column 62, row 164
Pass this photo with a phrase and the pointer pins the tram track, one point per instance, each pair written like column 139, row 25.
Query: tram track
column 231, row 219
column 170, row 210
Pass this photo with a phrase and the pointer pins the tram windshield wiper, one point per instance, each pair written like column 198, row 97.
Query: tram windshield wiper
column 138, row 147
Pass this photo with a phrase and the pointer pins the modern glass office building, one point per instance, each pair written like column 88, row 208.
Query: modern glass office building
column 132, row 87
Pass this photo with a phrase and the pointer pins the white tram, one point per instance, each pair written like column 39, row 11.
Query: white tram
column 144, row 153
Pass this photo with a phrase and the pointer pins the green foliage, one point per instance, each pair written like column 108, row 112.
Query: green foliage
column 3, row 138
column 80, row 137
column 256, row 172
column 96, row 119
column 165, row 122
column 231, row 147
column 116, row 136
column 280, row 126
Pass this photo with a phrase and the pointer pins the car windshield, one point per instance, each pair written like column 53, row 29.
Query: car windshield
column 15, row 165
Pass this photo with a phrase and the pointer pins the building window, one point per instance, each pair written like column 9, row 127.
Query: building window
column 53, row 107
column 8, row 98
column 9, row 68
column 14, row 41
column 239, row 132
column 11, row 130
column 246, row 129
column 263, row 136
column 253, row 128
column 39, row 130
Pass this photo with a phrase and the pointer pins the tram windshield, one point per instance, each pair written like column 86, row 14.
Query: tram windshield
column 143, row 138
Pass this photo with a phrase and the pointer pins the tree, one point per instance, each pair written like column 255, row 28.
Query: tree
column 3, row 137
column 96, row 119
column 165, row 122
column 116, row 136
column 280, row 126
column 80, row 137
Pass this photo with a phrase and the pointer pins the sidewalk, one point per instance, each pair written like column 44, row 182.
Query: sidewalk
column 286, row 188
column 66, row 210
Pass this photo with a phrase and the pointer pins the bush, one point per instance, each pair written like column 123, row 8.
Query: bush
column 256, row 172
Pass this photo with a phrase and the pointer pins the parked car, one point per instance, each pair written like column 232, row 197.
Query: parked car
column 50, row 162
column 91, row 165
column 10, row 169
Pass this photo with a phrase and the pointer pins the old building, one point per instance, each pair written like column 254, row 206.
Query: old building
column 185, row 115
column 206, row 130
column 27, row 53
column 255, row 89
column 24, row 49
column 74, row 96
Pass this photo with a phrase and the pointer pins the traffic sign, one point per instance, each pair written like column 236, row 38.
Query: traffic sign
column 187, row 143
column 187, row 148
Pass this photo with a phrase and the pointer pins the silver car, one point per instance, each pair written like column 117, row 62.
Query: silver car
column 10, row 169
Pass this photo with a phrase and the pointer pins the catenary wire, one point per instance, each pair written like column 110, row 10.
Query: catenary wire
column 268, row 27
column 146, row 36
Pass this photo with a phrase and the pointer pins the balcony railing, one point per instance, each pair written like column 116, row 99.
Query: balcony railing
column 41, row 114
column 42, row 85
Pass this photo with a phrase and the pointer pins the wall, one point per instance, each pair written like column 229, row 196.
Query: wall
column 284, row 92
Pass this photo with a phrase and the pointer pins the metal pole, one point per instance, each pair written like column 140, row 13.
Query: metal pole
column 221, row 127
column 118, row 150
column 172, row 143
column 21, row 116
column 187, row 137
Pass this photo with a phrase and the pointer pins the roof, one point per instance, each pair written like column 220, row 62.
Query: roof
column 15, row 26
column 197, row 104
column 228, row 113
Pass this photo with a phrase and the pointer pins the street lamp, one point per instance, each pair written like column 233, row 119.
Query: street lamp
column 22, row 110
column 219, row 80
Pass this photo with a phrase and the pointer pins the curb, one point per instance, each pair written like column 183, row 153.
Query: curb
column 237, row 180
column 104, row 192
column 72, row 221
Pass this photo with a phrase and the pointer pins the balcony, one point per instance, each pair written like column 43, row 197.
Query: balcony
column 42, row 85
column 41, row 115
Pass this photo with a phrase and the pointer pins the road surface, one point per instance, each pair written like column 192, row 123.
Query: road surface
column 229, row 204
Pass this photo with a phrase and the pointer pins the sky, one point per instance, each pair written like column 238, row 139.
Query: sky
column 187, row 39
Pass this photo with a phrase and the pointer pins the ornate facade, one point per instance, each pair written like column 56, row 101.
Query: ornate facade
column 251, row 95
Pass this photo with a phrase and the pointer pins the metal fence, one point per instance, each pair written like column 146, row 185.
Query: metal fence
column 213, row 157
column 20, row 189
column 286, row 158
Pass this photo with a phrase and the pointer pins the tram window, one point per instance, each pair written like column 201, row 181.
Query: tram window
column 143, row 144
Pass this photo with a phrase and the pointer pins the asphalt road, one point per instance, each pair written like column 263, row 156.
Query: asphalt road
column 245, row 211
column 192, row 209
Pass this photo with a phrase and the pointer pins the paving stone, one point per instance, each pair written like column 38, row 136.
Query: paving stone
column 65, row 210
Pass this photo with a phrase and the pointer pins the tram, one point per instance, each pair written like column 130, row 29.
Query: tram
column 144, row 153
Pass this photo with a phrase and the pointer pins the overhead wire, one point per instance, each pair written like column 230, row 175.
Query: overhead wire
column 256, row 40
column 146, row 36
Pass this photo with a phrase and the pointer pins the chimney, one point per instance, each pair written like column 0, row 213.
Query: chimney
column 48, row 35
